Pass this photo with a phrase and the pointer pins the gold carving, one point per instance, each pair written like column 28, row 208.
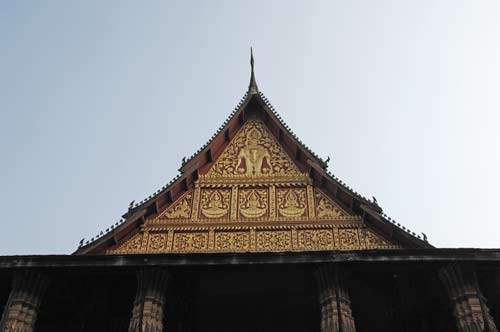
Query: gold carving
column 253, row 152
column 215, row 203
column 134, row 243
column 310, row 201
column 254, row 159
column 274, row 241
column 349, row 238
column 291, row 203
column 255, row 239
column 272, row 202
column 181, row 209
column 234, row 203
column 316, row 239
column 196, row 203
column 211, row 239
column 325, row 209
column 190, row 242
column 253, row 203
column 157, row 242
column 373, row 241
column 232, row 241
column 253, row 199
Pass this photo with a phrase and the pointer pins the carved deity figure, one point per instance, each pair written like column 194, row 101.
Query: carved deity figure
column 253, row 208
column 215, row 207
column 253, row 156
column 291, row 206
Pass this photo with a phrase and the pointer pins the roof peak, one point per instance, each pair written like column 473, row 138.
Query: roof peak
column 252, row 87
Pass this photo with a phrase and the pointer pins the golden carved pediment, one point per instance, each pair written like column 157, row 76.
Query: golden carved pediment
column 253, row 199
column 253, row 153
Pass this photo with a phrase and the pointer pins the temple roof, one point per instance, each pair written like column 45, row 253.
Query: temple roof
column 253, row 105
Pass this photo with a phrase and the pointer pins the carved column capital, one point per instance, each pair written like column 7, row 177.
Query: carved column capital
column 469, row 304
column 335, row 304
column 21, row 310
column 148, row 310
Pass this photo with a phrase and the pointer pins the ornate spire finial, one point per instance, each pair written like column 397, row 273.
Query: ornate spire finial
column 252, row 87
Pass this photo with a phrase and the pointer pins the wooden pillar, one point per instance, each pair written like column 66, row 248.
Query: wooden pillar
column 335, row 304
column 148, row 310
column 469, row 305
column 21, row 311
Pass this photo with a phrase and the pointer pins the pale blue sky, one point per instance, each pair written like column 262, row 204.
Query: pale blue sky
column 100, row 100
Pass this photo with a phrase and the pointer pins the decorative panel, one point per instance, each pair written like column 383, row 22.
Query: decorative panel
column 214, row 204
column 232, row 241
column 253, row 203
column 316, row 239
column 292, row 202
column 253, row 152
column 254, row 239
column 274, row 240
column 190, row 242
column 326, row 208
column 157, row 242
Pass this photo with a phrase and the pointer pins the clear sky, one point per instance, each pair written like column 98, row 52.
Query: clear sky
column 100, row 101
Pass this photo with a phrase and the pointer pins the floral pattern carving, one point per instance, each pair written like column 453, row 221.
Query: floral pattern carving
column 372, row 240
column 190, row 242
column 349, row 238
column 134, row 244
column 247, row 239
column 315, row 239
column 157, row 242
column 274, row 240
column 232, row 241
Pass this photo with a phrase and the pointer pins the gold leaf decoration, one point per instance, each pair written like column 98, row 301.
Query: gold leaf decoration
column 315, row 239
column 157, row 242
column 373, row 240
column 349, row 238
column 292, row 202
column 325, row 208
column 215, row 203
column 181, row 209
column 253, row 152
column 232, row 241
column 274, row 241
column 190, row 242
column 253, row 203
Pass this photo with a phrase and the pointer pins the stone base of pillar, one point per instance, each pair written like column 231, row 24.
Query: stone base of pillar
column 148, row 310
column 469, row 305
column 21, row 310
column 335, row 304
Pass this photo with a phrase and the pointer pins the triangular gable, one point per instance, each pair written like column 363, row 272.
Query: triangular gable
column 253, row 199
column 254, row 187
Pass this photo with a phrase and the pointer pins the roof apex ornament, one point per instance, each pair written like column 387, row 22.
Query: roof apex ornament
column 252, row 87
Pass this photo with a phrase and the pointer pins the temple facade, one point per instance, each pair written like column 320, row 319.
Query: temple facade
column 254, row 234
